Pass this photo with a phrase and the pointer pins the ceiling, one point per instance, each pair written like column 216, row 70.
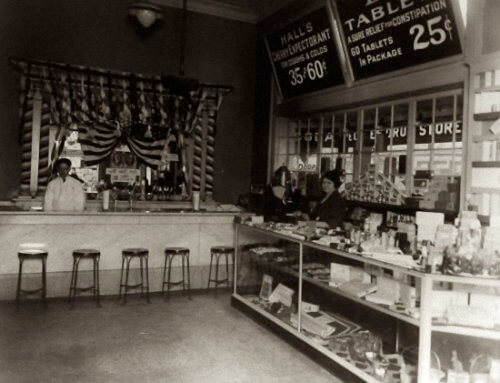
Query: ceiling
column 251, row 11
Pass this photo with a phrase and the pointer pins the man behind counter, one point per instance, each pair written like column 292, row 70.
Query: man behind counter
column 64, row 193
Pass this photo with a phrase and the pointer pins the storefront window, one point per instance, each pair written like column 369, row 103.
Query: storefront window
column 384, row 152
column 399, row 143
column 337, row 143
column 438, row 138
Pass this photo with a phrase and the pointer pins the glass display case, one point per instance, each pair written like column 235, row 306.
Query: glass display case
column 378, row 318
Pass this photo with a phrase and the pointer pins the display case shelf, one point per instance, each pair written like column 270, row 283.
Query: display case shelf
column 490, row 116
column 365, row 259
column 485, row 190
column 344, row 254
column 403, row 209
column 364, row 302
column 323, row 350
column 483, row 89
column 468, row 331
column 486, row 164
column 467, row 279
column 486, row 137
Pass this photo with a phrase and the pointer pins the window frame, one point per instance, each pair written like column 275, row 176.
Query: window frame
column 357, row 152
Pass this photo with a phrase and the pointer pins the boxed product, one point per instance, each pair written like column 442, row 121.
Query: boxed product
column 488, row 301
column 387, row 291
column 344, row 273
column 358, row 289
column 441, row 300
column 408, row 296
column 282, row 294
column 473, row 316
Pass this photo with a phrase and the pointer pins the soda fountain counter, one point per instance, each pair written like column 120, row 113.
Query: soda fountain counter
column 111, row 232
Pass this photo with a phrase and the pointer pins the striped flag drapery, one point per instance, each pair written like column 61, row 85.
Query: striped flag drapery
column 98, row 140
column 149, row 152
column 111, row 108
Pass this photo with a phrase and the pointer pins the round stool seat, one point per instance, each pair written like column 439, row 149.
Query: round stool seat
column 222, row 249
column 176, row 250
column 38, row 253
column 135, row 252
column 32, row 254
column 86, row 253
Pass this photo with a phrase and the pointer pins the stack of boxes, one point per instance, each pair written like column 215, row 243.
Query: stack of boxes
column 441, row 194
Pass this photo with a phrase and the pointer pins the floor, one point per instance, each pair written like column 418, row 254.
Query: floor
column 202, row 340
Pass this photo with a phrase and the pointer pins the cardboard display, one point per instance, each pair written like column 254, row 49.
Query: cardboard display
column 384, row 36
column 304, row 56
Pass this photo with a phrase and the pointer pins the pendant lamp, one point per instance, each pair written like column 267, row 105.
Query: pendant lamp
column 146, row 13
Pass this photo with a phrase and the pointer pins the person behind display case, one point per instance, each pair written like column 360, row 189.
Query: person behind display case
column 65, row 191
column 332, row 207
column 281, row 202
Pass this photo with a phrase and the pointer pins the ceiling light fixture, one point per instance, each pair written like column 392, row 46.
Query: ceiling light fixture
column 146, row 13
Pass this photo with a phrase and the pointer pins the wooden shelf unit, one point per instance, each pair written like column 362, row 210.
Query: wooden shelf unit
column 484, row 143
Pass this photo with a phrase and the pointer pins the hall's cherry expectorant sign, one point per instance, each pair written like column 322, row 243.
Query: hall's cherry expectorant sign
column 304, row 56
column 386, row 35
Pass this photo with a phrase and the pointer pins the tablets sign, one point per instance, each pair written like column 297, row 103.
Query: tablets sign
column 303, row 55
column 387, row 35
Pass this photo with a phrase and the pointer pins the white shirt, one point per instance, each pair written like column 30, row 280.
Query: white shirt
column 64, row 195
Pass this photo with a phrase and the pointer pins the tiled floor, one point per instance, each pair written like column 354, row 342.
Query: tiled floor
column 202, row 340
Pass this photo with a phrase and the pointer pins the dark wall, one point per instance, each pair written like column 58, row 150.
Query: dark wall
column 262, row 113
column 99, row 33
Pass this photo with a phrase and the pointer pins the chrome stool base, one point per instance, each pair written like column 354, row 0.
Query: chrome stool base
column 32, row 254
column 170, row 254
column 127, row 256
column 78, row 255
column 217, row 252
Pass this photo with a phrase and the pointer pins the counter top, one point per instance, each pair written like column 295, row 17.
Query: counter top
column 115, row 218
column 173, row 212
column 122, row 209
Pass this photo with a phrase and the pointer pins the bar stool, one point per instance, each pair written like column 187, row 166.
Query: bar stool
column 127, row 256
column 217, row 252
column 78, row 255
column 170, row 254
column 35, row 252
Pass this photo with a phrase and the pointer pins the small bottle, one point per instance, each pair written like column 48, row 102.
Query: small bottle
column 424, row 257
column 391, row 240
column 429, row 262
column 143, row 189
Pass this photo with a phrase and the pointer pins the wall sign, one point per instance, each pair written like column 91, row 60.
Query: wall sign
column 387, row 35
column 123, row 175
column 303, row 55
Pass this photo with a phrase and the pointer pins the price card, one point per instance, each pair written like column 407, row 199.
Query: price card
column 386, row 35
column 282, row 294
column 304, row 56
